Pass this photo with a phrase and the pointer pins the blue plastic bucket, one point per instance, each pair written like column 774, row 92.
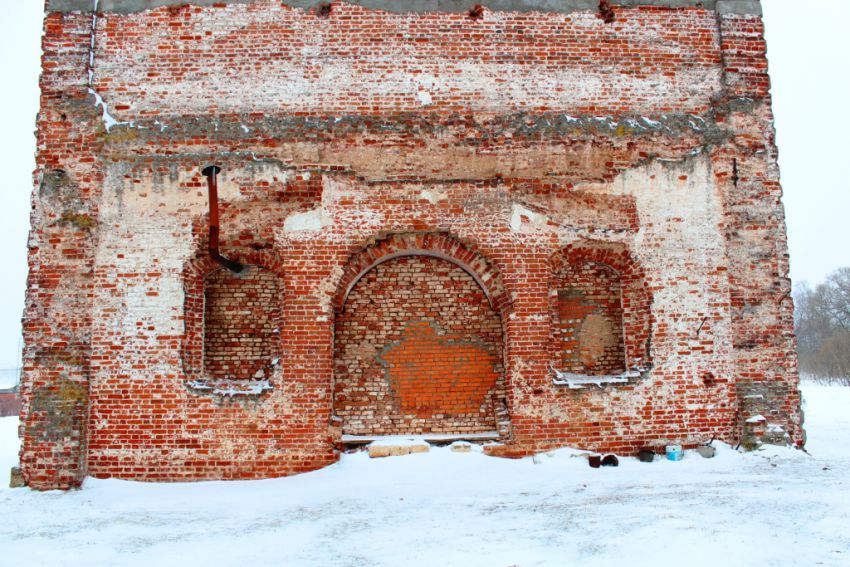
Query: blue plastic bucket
column 674, row 452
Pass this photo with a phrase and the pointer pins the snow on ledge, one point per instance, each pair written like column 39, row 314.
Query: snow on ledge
column 398, row 441
column 230, row 388
column 427, row 438
column 579, row 381
column 108, row 120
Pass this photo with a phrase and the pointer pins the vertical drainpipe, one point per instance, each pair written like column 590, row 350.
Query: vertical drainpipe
column 210, row 172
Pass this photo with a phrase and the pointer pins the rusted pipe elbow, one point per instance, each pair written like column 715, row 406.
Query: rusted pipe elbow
column 211, row 172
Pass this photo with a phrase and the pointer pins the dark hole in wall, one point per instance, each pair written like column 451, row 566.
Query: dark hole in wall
column 176, row 10
column 606, row 12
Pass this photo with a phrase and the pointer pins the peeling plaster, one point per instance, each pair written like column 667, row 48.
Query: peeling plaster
column 311, row 221
column 525, row 220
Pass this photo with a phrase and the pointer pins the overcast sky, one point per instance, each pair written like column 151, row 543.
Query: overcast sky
column 808, row 55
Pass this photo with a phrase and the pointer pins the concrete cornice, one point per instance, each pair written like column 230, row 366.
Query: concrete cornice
column 750, row 7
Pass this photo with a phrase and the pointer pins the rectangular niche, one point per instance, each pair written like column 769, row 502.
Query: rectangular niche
column 241, row 323
column 589, row 320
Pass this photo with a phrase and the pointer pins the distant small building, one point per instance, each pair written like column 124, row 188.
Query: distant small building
column 10, row 400
column 536, row 223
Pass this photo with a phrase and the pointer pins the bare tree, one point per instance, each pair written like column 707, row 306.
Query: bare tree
column 837, row 297
column 822, row 324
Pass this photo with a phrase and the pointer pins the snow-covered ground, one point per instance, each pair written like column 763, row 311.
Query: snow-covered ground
column 773, row 507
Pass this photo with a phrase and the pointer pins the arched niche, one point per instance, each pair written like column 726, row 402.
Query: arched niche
column 418, row 340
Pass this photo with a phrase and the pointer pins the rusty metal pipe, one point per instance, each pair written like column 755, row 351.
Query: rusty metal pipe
column 211, row 172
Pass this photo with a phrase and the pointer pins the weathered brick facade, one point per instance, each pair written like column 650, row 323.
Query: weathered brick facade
column 450, row 216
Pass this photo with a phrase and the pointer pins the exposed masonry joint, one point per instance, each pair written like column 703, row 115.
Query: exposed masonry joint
column 736, row 7
column 341, row 169
column 203, row 157
column 706, row 132
column 519, row 124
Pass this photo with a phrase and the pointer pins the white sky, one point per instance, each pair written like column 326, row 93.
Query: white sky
column 810, row 70
column 809, row 66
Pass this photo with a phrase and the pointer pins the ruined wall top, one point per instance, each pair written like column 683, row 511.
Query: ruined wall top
column 750, row 7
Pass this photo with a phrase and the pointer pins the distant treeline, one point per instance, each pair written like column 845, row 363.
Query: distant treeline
column 822, row 324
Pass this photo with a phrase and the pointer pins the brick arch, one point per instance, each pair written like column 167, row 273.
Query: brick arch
column 437, row 245
column 615, row 255
column 195, row 274
column 429, row 360
column 200, row 266
column 614, row 259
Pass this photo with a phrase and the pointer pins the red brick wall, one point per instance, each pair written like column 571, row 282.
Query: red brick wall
column 241, row 323
column 265, row 55
column 417, row 349
column 513, row 145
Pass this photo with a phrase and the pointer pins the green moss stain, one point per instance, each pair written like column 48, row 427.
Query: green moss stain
column 81, row 221
column 55, row 183
column 118, row 134
column 60, row 407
